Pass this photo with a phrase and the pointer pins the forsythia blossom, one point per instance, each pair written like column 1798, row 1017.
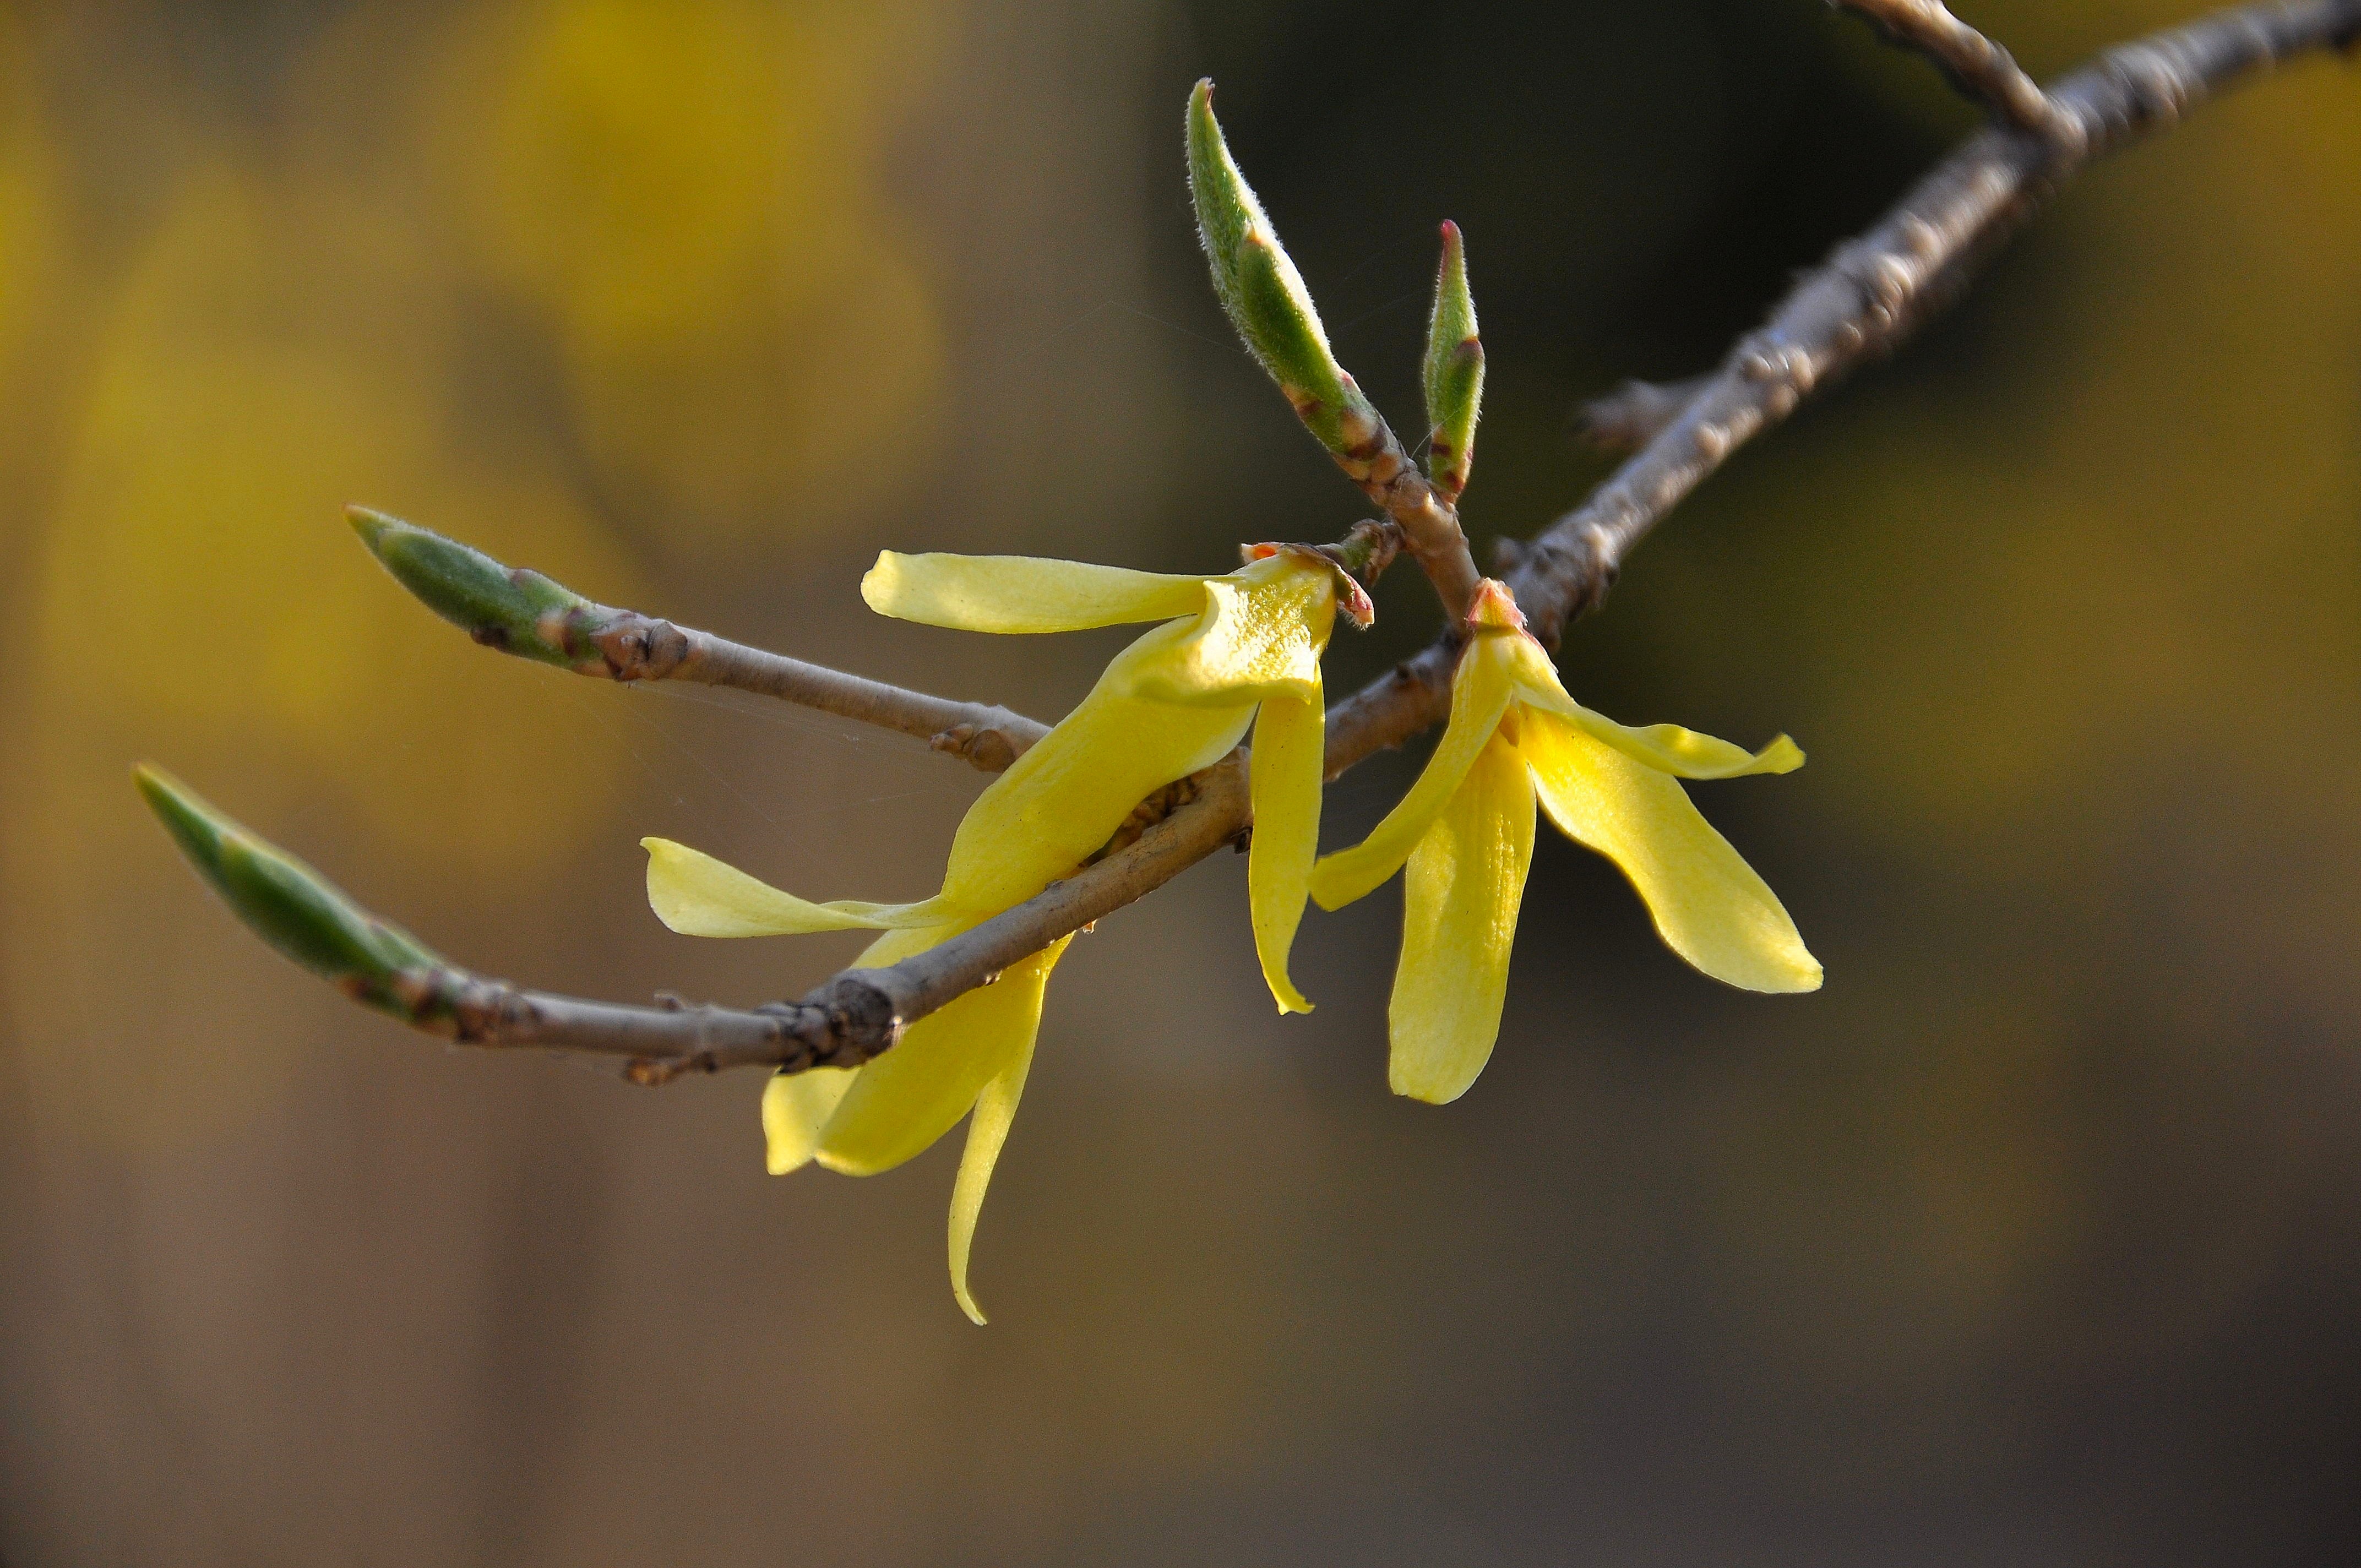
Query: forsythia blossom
column 1465, row 830
column 1237, row 650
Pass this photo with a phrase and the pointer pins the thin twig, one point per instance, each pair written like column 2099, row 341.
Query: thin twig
column 1861, row 304
column 1428, row 519
column 1628, row 417
column 519, row 611
column 642, row 648
column 1874, row 290
column 1979, row 65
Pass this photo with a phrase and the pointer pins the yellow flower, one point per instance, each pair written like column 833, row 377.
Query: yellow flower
column 1239, row 650
column 1466, row 830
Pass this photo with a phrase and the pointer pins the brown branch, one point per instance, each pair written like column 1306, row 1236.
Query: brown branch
column 1979, row 65
column 1426, row 515
column 1876, row 289
column 1628, row 417
column 842, row 1023
column 858, row 1013
column 519, row 611
column 1870, row 294
column 642, row 648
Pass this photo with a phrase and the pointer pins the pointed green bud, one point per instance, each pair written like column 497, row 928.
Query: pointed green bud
column 1266, row 299
column 294, row 907
column 1454, row 372
column 511, row 608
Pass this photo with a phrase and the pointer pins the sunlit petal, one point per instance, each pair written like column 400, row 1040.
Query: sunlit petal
column 1460, row 897
column 1665, row 747
column 1072, row 788
column 1020, row 593
column 904, row 1099
column 1262, row 631
column 797, row 1105
column 697, row 895
column 1288, row 738
column 987, row 1134
column 1707, row 904
column 1479, row 696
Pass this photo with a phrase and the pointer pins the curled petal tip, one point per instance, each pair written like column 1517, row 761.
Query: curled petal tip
column 1495, row 609
column 1350, row 597
column 1354, row 601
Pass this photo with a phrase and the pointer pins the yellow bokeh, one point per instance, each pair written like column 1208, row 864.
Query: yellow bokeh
column 197, row 598
column 695, row 303
column 685, row 193
column 23, row 209
column 198, row 578
column 678, row 203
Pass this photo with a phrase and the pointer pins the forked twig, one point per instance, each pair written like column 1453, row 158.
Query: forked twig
column 1979, row 65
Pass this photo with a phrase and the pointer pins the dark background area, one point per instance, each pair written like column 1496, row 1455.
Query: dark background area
column 2030, row 1239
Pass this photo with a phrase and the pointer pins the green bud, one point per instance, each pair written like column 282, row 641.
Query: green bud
column 1454, row 372
column 293, row 908
column 1265, row 297
column 511, row 608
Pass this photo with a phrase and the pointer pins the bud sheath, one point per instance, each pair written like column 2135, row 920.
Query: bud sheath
column 294, row 908
column 1454, row 372
column 1266, row 299
column 511, row 608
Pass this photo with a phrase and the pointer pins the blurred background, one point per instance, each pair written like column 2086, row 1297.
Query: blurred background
column 2030, row 1239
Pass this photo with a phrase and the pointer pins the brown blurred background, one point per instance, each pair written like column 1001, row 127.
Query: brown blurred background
column 2031, row 1239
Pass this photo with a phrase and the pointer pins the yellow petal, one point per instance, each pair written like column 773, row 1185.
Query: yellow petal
column 1479, row 696
column 797, row 1105
column 1019, row 593
column 1707, row 904
column 1459, row 920
column 1665, row 747
column 1175, row 701
column 697, row 895
column 987, row 1133
column 1288, row 738
column 1262, row 631
column 1073, row 787
column 904, row 1099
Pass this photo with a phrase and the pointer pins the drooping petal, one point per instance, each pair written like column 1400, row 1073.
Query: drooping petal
column 1288, row 738
column 1707, row 904
column 697, row 895
column 1667, row 748
column 1072, row 788
column 797, row 1105
column 1465, row 880
column 1263, row 631
column 1479, row 696
column 1021, row 593
column 987, row 1134
column 904, row 1099
column 1670, row 749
